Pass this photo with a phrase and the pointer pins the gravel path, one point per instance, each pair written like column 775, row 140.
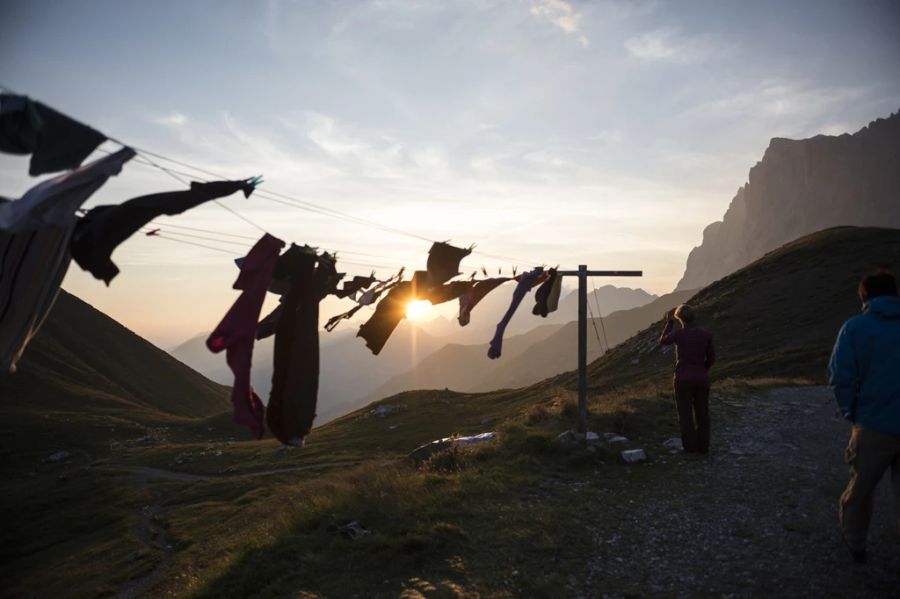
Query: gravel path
column 758, row 517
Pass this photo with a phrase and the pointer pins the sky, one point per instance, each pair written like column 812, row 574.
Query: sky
column 543, row 131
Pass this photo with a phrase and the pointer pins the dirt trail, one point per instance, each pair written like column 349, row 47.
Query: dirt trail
column 758, row 517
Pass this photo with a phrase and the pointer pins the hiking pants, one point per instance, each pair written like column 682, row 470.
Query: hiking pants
column 692, row 404
column 869, row 455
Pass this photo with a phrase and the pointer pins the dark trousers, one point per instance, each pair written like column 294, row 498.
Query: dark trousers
column 692, row 404
column 869, row 455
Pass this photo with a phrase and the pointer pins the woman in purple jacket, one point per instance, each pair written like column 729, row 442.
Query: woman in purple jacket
column 694, row 356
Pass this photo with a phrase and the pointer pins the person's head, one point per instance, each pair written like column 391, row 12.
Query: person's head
column 877, row 283
column 684, row 314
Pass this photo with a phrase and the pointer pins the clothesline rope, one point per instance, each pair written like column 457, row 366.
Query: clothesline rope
column 289, row 200
column 599, row 313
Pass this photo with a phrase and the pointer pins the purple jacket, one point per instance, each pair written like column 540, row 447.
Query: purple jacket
column 694, row 352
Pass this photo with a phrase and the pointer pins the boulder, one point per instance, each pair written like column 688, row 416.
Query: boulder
column 631, row 456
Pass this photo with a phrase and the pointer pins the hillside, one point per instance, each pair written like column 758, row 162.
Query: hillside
column 799, row 187
column 86, row 375
column 776, row 317
column 188, row 513
column 544, row 352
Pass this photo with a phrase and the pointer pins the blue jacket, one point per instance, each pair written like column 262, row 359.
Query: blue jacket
column 864, row 371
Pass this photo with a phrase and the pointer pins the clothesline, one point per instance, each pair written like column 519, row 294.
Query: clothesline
column 176, row 174
column 42, row 232
column 285, row 199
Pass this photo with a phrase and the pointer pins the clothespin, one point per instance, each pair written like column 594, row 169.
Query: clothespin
column 515, row 268
column 484, row 270
column 254, row 181
column 152, row 233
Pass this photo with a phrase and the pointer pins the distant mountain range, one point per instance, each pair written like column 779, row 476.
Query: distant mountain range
column 527, row 358
column 800, row 187
column 351, row 376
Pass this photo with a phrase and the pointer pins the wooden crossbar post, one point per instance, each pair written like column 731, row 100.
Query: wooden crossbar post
column 583, row 273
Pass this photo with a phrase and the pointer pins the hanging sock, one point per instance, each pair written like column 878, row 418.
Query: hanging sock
column 469, row 300
column 527, row 280
column 55, row 141
column 34, row 249
column 235, row 334
column 547, row 296
column 101, row 231
column 443, row 262
column 295, row 375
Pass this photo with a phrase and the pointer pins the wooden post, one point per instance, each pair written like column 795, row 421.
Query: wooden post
column 583, row 273
column 582, row 348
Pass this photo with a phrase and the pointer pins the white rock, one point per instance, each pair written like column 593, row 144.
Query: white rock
column 59, row 456
column 673, row 443
column 591, row 437
column 634, row 455
column 384, row 410
column 567, row 438
column 614, row 438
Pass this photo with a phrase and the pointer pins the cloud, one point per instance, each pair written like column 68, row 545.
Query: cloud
column 778, row 99
column 175, row 119
column 562, row 14
column 667, row 45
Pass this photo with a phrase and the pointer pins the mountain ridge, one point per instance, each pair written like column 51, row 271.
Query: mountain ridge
column 800, row 187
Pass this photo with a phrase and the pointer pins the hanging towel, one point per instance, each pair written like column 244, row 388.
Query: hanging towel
column 34, row 250
column 547, row 296
column 235, row 334
column 469, row 300
column 295, row 375
column 105, row 227
column 443, row 262
column 55, row 141
column 527, row 280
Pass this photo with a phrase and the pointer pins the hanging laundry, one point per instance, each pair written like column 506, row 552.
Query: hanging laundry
column 391, row 310
column 547, row 296
column 369, row 297
column 445, row 293
column 527, row 280
column 335, row 320
column 443, row 262
column 268, row 325
column 34, row 249
column 235, row 333
column 469, row 300
column 55, row 141
column 356, row 284
column 295, row 376
column 103, row 228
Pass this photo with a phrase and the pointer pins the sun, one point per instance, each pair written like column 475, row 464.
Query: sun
column 417, row 309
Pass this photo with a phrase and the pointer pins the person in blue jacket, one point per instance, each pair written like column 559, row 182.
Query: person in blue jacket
column 864, row 374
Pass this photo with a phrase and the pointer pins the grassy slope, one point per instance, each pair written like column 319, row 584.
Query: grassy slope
column 483, row 521
column 775, row 317
column 86, row 382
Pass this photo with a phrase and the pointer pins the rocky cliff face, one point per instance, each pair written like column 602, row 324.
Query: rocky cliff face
column 800, row 187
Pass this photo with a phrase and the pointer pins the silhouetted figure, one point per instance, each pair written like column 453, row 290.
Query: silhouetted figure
column 694, row 356
column 864, row 374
